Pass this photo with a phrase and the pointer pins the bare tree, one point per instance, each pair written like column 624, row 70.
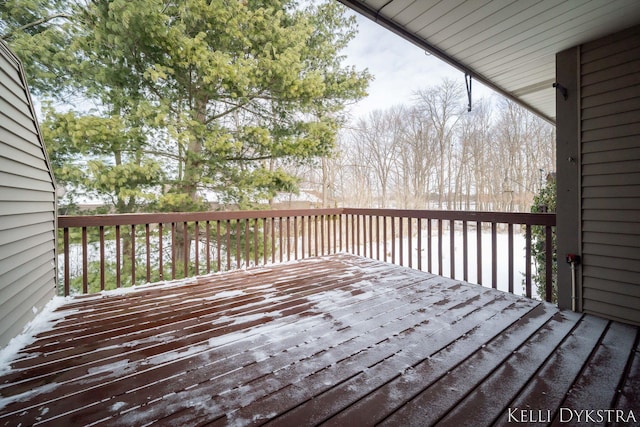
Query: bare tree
column 377, row 140
column 443, row 106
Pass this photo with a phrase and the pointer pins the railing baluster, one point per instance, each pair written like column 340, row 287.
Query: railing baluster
column 302, row 236
column 384, row 237
column 479, row 251
column 219, row 246
column 548, row 264
column 369, row 230
column 310, row 239
column 228, row 235
column 160, row 260
column 393, row 240
column 265, row 243
column 118, row 257
column 419, row 251
column 295, row 246
column 196, row 241
column 440, row 253
column 280, row 241
column 147, row 242
column 494, row 256
column 273, row 240
column 335, row 221
column 401, row 238
column 527, row 256
column 173, row 251
column 133, row 254
column 84, row 261
column 353, row 234
column 342, row 233
column 452, row 248
column 208, row 240
column 247, row 251
column 410, row 243
column 186, row 247
column 255, row 242
column 67, row 275
column 362, row 226
column 238, row 246
column 378, row 237
column 101, row 230
column 429, row 246
column 465, row 252
column 322, row 236
column 288, row 238
column 315, row 235
column 510, row 231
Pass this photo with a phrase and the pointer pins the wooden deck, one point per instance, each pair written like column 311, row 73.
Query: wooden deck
column 339, row 340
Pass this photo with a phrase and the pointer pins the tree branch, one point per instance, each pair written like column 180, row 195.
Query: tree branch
column 35, row 23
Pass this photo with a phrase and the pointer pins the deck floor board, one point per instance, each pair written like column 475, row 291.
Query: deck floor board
column 335, row 340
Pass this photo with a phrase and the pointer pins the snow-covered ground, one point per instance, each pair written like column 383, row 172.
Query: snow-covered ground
column 502, row 260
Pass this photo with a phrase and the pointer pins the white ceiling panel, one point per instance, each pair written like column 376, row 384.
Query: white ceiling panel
column 510, row 45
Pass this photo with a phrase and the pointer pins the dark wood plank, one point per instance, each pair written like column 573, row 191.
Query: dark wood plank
column 439, row 397
column 548, row 387
column 596, row 387
column 630, row 391
column 494, row 394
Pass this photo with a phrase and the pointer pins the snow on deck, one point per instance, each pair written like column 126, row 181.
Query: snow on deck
column 339, row 340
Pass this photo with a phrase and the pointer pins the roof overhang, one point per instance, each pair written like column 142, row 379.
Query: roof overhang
column 508, row 45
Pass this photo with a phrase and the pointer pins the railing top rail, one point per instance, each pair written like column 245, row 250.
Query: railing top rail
column 472, row 216
column 65, row 221
column 547, row 219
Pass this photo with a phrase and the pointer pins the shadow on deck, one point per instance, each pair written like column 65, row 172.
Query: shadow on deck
column 339, row 340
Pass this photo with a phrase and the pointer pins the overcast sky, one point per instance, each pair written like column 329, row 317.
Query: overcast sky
column 398, row 66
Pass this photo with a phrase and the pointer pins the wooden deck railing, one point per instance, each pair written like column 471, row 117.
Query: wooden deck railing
column 112, row 251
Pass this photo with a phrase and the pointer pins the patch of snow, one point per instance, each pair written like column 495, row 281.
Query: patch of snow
column 117, row 406
column 116, row 369
column 42, row 322
column 226, row 294
column 26, row 395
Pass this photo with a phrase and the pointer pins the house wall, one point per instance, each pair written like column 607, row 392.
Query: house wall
column 606, row 123
column 27, row 206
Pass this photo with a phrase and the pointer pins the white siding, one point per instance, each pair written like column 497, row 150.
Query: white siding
column 610, row 146
column 27, row 206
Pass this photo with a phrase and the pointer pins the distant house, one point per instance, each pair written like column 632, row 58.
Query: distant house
column 27, row 205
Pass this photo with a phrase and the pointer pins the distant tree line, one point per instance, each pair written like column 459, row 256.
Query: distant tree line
column 435, row 154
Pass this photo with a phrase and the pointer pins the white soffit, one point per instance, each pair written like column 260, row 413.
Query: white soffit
column 509, row 45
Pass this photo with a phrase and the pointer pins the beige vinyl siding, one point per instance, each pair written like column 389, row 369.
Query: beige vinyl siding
column 27, row 206
column 610, row 165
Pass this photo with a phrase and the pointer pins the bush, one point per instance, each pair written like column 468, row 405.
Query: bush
column 544, row 201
